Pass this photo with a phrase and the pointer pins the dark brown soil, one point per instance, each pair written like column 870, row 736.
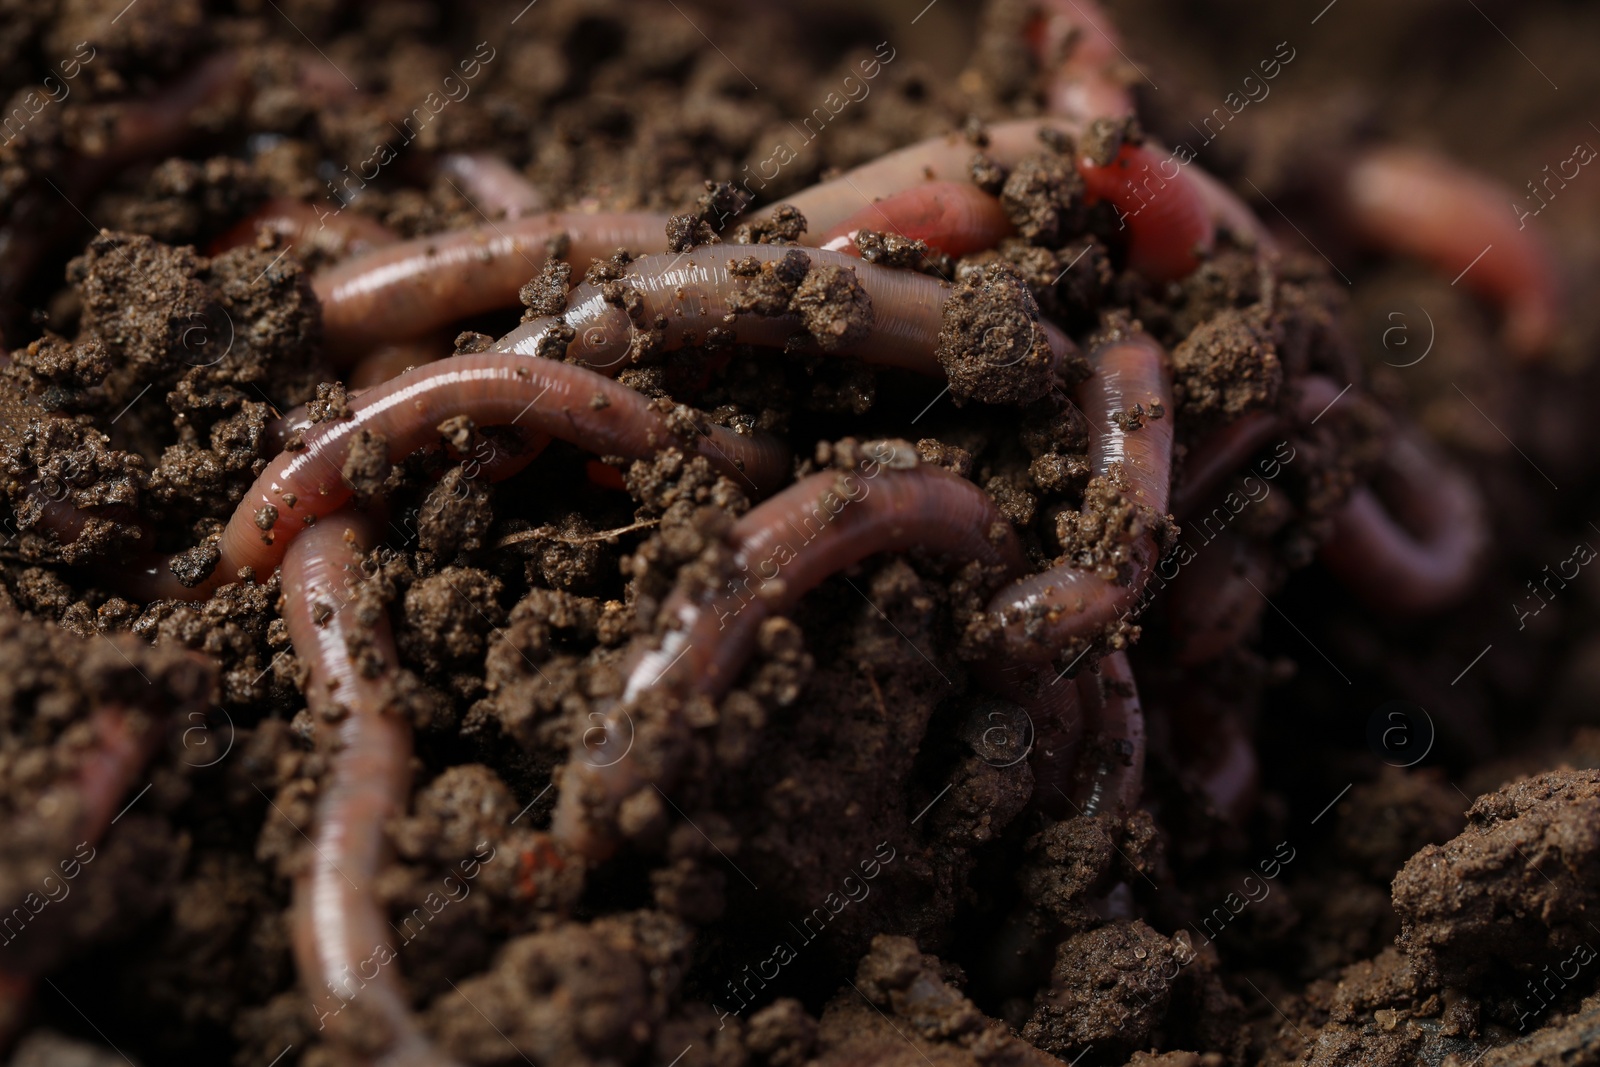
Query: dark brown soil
column 851, row 869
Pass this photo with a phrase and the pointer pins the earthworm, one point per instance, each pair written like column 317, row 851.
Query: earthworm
column 957, row 218
column 410, row 287
column 691, row 293
column 40, row 218
column 339, row 925
column 1221, row 454
column 1412, row 542
column 946, row 158
column 120, row 746
column 1418, row 204
column 492, row 388
column 1080, row 47
column 1056, row 713
column 1217, row 597
column 1115, row 728
column 781, row 550
column 393, row 358
column 491, row 185
column 295, row 223
column 1227, row 211
column 1169, row 221
column 1045, row 612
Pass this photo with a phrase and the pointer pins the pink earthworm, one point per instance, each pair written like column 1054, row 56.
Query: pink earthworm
column 1169, row 221
column 1080, row 48
column 296, row 223
column 691, row 293
column 781, row 549
column 1217, row 597
column 540, row 395
column 1413, row 542
column 1418, row 204
column 1227, row 211
column 120, row 746
column 945, row 158
column 341, row 934
column 410, row 287
column 957, row 218
column 491, row 185
column 1046, row 612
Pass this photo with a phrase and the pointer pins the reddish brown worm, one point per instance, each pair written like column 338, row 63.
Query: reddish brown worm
column 1218, row 597
column 790, row 543
column 957, row 218
column 691, row 293
column 343, row 942
column 405, row 289
column 781, row 549
column 493, row 389
column 1046, row 612
column 1417, row 204
column 1413, row 542
column 1115, row 730
column 1168, row 219
column 1221, row 454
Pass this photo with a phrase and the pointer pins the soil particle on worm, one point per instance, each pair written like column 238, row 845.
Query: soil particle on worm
column 991, row 343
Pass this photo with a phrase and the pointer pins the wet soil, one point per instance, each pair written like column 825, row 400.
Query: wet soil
column 852, row 868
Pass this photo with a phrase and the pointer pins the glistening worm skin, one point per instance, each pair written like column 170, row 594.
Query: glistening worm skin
column 690, row 293
column 339, row 922
column 1045, row 612
column 491, row 388
column 1418, row 548
column 957, row 218
column 407, row 288
column 1169, row 221
column 1115, row 724
column 1418, row 204
column 781, row 550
